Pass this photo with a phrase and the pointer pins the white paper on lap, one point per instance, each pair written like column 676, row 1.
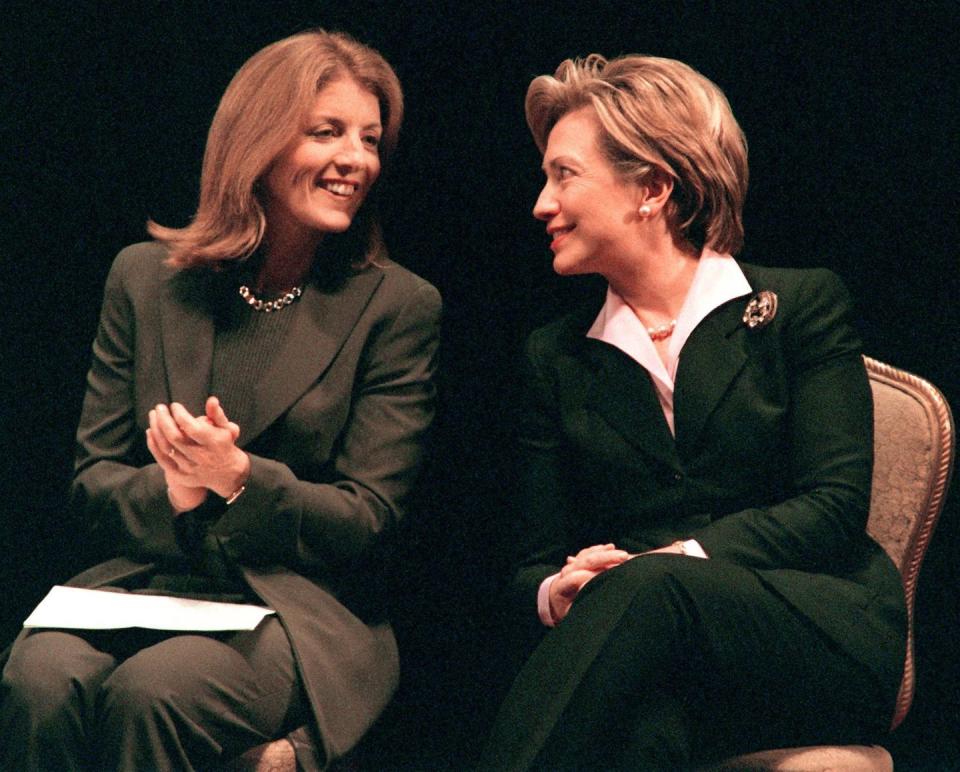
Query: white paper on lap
column 82, row 609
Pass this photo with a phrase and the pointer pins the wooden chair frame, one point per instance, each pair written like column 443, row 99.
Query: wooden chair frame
column 909, row 559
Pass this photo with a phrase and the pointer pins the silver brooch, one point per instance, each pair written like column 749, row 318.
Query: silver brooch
column 760, row 310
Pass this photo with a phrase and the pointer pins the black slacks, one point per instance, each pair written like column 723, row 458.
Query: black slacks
column 143, row 700
column 667, row 661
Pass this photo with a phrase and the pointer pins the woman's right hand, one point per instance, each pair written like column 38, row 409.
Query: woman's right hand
column 182, row 498
column 175, row 465
column 580, row 569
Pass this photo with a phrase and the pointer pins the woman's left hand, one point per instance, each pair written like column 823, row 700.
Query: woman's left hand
column 198, row 452
column 579, row 569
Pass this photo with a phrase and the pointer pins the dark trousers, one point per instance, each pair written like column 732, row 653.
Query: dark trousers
column 667, row 661
column 141, row 700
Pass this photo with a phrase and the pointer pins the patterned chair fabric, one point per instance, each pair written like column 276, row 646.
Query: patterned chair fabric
column 913, row 460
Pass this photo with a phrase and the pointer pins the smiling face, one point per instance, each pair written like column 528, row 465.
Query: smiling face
column 318, row 182
column 591, row 214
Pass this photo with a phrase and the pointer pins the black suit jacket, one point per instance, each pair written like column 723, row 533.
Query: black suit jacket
column 335, row 445
column 770, row 467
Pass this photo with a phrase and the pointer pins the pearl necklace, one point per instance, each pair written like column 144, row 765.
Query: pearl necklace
column 661, row 331
column 285, row 299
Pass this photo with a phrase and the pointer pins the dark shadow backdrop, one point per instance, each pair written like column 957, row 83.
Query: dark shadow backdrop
column 851, row 116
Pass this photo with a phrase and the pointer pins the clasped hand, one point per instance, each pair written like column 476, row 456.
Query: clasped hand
column 197, row 453
column 587, row 564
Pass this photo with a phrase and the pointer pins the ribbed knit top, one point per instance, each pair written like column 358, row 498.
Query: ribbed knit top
column 246, row 345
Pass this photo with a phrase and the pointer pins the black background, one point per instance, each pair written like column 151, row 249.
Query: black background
column 851, row 116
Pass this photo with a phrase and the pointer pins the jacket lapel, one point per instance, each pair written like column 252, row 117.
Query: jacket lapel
column 317, row 334
column 186, row 320
column 623, row 394
column 711, row 358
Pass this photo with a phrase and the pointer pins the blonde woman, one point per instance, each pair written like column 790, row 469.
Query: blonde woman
column 696, row 458
column 254, row 419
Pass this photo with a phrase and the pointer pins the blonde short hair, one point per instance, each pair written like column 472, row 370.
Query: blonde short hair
column 658, row 114
column 261, row 111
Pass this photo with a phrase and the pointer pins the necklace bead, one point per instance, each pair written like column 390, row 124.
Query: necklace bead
column 270, row 305
column 662, row 331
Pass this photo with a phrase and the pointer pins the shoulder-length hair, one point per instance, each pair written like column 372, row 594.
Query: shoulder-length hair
column 658, row 114
column 261, row 111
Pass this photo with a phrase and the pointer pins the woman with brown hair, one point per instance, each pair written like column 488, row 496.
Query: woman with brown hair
column 695, row 458
column 261, row 385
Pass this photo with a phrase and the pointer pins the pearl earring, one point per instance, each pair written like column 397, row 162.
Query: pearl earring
column 644, row 211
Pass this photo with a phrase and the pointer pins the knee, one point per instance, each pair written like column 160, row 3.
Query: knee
column 668, row 576
column 127, row 693
column 45, row 680
column 167, row 678
column 137, row 695
column 667, row 587
column 35, row 708
column 40, row 702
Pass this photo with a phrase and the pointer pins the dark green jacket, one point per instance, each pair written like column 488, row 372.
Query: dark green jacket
column 770, row 468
